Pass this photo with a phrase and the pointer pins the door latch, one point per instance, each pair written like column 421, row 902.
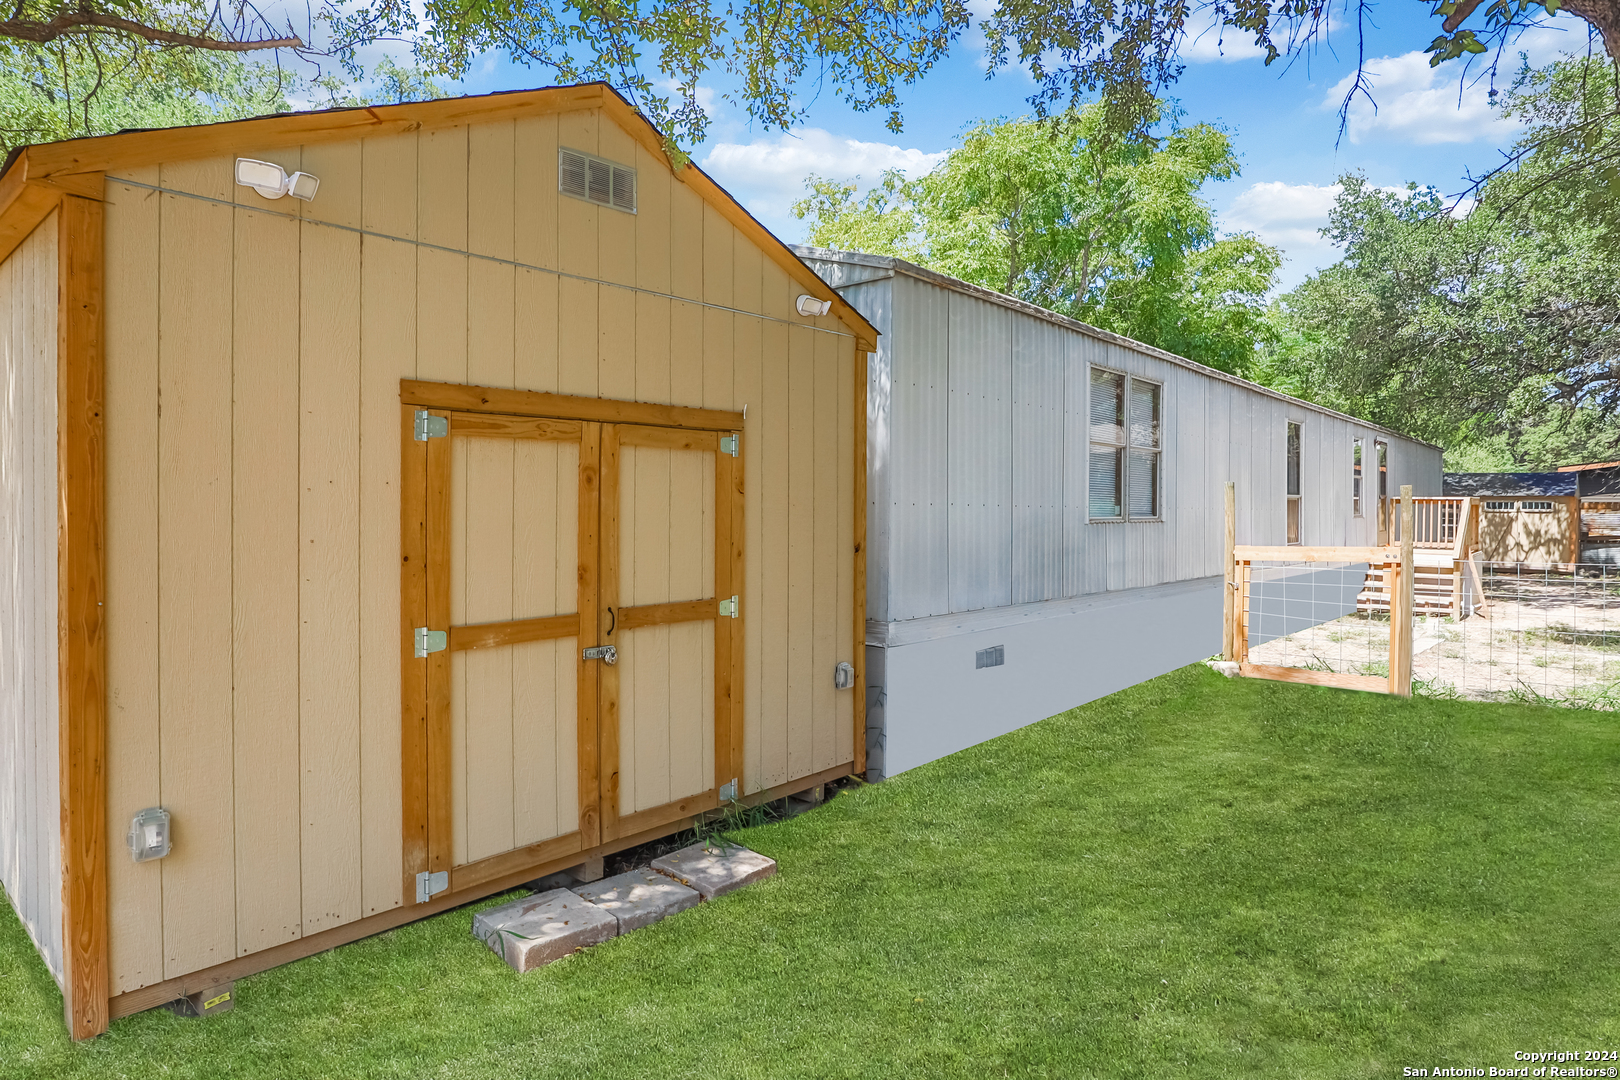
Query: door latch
column 608, row 654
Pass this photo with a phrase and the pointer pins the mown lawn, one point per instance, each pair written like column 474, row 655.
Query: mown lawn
column 1196, row 877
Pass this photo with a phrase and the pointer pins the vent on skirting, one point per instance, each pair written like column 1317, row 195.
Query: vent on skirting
column 596, row 180
column 994, row 656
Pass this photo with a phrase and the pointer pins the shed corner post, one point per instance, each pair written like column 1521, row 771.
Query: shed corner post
column 81, row 627
column 1229, row 578
column 863, row 360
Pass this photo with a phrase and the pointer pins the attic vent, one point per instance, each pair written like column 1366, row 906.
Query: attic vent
column 595, row 180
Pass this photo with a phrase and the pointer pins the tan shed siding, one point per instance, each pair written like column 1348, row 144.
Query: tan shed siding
column 253, row 523
column 30, row 821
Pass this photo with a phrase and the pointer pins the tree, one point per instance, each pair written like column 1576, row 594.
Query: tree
column 782, row 53
column 48, row 94
column 1068, row 216
column 1495, row 331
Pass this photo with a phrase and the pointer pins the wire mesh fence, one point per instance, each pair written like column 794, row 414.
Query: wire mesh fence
column 1495, row 632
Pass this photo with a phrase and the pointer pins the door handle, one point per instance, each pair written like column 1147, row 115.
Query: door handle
column 613, row 621
column 608, row 654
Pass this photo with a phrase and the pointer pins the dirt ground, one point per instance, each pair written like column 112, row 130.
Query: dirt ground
column 1543, row 636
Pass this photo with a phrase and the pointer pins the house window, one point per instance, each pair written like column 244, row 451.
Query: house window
column 1355, row 478
column 1293, row 482
column 1536, row 506
column 1381, row 451
column 1497, row 506
column 1123, row 467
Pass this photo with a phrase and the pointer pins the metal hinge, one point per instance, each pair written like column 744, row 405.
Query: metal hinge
column 728, row 608
column 427, row 884
column 728, row 445
column 431, row 641
column 728, row 791
column 429, row 426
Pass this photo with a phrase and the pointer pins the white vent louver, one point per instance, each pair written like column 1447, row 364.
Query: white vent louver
column 596, row 180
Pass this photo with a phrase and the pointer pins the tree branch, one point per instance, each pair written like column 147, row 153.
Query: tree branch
column 68, row 22
column 1464, row 9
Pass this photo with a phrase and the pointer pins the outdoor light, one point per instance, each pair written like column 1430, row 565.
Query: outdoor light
column 810, row 307
column 149, row 834
column 272, row 181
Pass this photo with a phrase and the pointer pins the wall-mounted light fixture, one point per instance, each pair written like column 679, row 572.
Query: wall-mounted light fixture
column 272, row 181
column 810, row 307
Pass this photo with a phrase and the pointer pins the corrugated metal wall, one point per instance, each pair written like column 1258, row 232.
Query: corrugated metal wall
column 979, row 446
column 30, row 806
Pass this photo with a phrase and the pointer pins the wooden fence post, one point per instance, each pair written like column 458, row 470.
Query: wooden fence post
column 1400, row 607
column 1229, row 579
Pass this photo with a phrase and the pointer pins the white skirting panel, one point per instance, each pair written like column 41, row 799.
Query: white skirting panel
column 926, row 698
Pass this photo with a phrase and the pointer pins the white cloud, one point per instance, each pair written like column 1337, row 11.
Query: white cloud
column 1287, row 216
column 767, row 175
column 1209, row 42
column 1415, row 103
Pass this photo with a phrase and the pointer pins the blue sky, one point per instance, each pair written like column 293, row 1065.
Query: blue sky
column 1284, row 121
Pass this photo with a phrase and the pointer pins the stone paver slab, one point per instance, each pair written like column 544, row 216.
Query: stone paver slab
column 639, row 898
column 717, row 871
column 538, row 929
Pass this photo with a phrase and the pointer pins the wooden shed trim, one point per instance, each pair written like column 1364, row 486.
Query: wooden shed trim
column 489, row 399
column 60, row 165
column 81, row 626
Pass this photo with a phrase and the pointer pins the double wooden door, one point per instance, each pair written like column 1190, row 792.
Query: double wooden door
column 569, row 595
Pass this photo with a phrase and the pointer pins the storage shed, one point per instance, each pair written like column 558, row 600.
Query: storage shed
column 1046, row 504
column 344, row 453
column 1533, row 519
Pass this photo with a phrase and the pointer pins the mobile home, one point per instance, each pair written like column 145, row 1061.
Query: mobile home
column 401, row 504
column 1046, row 504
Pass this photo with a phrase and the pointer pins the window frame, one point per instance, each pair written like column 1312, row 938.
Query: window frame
column 1294, row 504
column 1537, row 506
column 1358, row 475
column 1124, row 446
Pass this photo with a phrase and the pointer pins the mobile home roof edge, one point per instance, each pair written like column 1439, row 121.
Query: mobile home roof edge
column 901, row 266
column 35, row 177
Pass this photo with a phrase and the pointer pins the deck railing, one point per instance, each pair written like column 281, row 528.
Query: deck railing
column 1447, row 523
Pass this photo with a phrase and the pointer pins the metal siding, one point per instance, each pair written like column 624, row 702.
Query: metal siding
column 919, row 347
column 979, row 445
column 978, row 450
column 875, row 300
column 1037, row 461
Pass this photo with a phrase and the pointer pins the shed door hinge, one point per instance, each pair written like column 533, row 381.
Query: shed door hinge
column 429, row 426
column 728, row 791
column 428, row 884
column 431, row 641
column 728, row 445
column 728, row 608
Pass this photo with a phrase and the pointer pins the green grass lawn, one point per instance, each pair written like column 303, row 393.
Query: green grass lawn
column 1195, row 877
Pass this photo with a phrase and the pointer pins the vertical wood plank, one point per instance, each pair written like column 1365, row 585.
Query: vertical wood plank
column 329, row 575
column 653, row 184
column 413, row 694
column 535, row 332
column 800, row 417
column 607, row 600
column 616, row 229
column 852, row 551
column 491, row 210
column 686, row 361
column 717, row 358
column 82, row 653
column 827, row 543
column 653, row 338
column 592, row 831
column 772, row 556
column 616, row 343
column 194, row 600
column 265, row 556
column 537, row 197
column 686, row 237
column 489, row 493
column 724, row 488
column 135, row 900
column 390, row 718
column 577, row 220
column 577, row 343
column 439, row 585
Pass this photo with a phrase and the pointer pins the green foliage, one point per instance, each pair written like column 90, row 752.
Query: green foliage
column 51, row 93
column 1195, row 877
column 1496, row 330
column 1070, row 216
